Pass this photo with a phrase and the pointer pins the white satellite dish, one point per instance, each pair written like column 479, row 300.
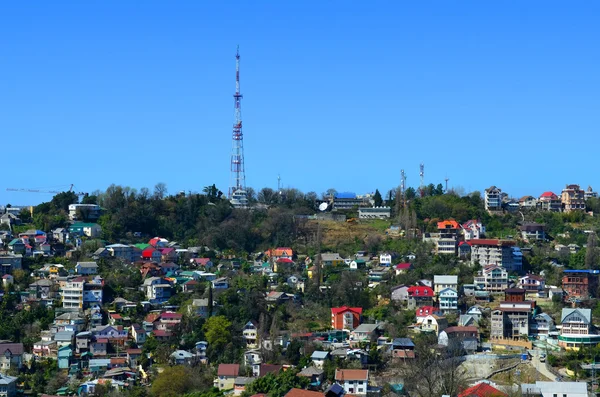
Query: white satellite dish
column 322, row 206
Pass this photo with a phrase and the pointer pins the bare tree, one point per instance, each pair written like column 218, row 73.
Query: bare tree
column 160, row 190
column 591, row 251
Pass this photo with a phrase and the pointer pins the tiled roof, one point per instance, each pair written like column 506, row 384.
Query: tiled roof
column 351, row 374
column 303, row 393
column 338, row 310
column 228, row 370
column 482, row 390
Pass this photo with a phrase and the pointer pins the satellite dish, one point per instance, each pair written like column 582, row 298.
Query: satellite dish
column 322, row 206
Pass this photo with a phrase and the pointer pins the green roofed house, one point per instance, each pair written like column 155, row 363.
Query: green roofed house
column 17, row 246
column 142, row 246
column 92, row 230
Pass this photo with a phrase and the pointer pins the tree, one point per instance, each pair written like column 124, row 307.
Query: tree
column 377, row 198
column 410, row 193
column 591, row 252
column 160, row 190
column 276, row 385
column 217, row 330
column 173, row 381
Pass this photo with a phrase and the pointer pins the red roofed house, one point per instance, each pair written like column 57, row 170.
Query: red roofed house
column 473, row 230
column 402, row 268
column 423, row 296
column 424, row 311
column 550, row 202
column 168, row 254
column 298, row 393
column 161, row 335
column 281, row 252
column 151, row 254
column 482, row 390
column 226, row 375
column 282, row 263
column 345, row 317
column 204, row 262
column 168, row 321
column 158, row 242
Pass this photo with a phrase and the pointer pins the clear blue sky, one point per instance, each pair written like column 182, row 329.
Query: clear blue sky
column 339, row 94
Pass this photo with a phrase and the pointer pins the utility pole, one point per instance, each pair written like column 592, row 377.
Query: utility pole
column 422, row 177
column 447, row 179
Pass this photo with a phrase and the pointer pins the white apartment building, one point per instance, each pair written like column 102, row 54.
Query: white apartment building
column 496, row 252
column 442, row 282
column 492, row 278
column 88, row 211
column 72, row 293
column 493, row 199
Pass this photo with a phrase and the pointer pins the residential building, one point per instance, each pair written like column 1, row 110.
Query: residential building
column 152, row 255
column 532, row 283
column 385, row 259
column 434, row 323
column 573, row 198
column 70, row 321
column 422, row 312
column 528, row 202
column 531, row 231
column 200, row 307
column 220, row 283
column 374, row 212
column 332, row 259
column 448, row 298
column 92, row 230
column 492, row 278
column 493, row 199
column 466, row 338
column 354, row 381
column 514, row 295
column 72, row 293
column 364, row 333
column 399, row 293
column 84, row 211
column 549, row 201
column 182, row 357
column 422, row 295
column 511, row 319
column 497, row 252
column 482, row 389
column 442, row 282
column 580, row 285
column 577, row 329
column 555, row 389
column 122, row 251
column 8, row 386
column 298, row 393
column 590, row 193
column 86, row 268
column 315, row 377
column 402, row 268
column 473, row 230
column 345, row 317
column 11, row 355
column 448, row 237
column 403, row 348
column 318, row 358
column 226, row 375
column 10, row 262
column 157, row 289
column 250, row 335
column 348, row 201
column 280, row 252
column 542, row 325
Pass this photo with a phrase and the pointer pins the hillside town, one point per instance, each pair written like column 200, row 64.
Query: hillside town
column 425, row 294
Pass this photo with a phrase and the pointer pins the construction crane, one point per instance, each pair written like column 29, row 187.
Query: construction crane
column 24, row 190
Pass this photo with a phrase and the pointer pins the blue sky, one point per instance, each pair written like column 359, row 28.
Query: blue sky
column 336, row 94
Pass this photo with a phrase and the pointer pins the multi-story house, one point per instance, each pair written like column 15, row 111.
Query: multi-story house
column 250, row 335
column 434, row 324
column 442, row 282
column 577, row 329
column 157, row 289
column 122, row 251
column 70, row 321
column 331, row 259
column 528, row 202
column 448, row 298
column 532, row 282
column 92, row 292
column 11, row 355
column 497, row 252
column 8, row 386
column 422, row 295
column 473, row 230
column 354, row 381
column 385, row 259
column 72, row 293
column 580, row 285
column 493, row 199
column 364, row 333
column 511, row 319
column 84, row 211
column 573, row 198
column 466, row 338
column 541, row 325
column 532, row 231
column 448, row 237
column 345, row 317
column 590, row 193
column 549, row 201
column 86, row 268
column 492, row 278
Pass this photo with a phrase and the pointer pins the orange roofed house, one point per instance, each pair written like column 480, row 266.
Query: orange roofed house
column 448, row 240
column 354, row 381
column 226, row 375
column 280, row 253
column 345, row 317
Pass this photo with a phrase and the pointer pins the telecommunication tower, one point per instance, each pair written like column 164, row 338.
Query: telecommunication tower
column 237, row 187
column 447, row 179
column 402, row 182
column 422, row 176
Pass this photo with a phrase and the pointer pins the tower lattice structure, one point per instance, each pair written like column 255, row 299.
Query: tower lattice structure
column 238, row 172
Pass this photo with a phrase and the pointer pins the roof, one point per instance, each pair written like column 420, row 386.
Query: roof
column 557, row 387
column 310, row 371
column 420, row 291
column 351, row 374
column 339, row 310
column 445, row 279
column 482, row 390
column 170, row 315
column 514, row 291
column 424, row 311
column 284, row 260
column 549, row 195
column 488, row 241
column 403, row 342
column 403, row 266
column 228, row 370
column 448, row 224
column 470, row 329
column 366, row 328
column 6, row 380
column 14, row 348
column 87, row 264
column 269, row 368
column 182, row 354
column 303, row 393
column 585, row 313
column 243, row 380
column 319, row 355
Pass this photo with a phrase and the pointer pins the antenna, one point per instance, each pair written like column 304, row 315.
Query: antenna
column 422, row 176
column 279, row 183
column 447, row 179
column 238, row 172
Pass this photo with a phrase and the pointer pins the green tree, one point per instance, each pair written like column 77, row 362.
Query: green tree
column 217, row 330
column 591, row 252
column 377, row 198
column 172, row 382
column 276, row 385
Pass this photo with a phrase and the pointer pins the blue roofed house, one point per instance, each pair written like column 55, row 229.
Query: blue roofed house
column 8, row 386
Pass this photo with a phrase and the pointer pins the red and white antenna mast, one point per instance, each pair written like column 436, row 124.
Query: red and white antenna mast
column 238, row 173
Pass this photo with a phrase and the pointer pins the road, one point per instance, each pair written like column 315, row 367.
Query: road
column 540, row 366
